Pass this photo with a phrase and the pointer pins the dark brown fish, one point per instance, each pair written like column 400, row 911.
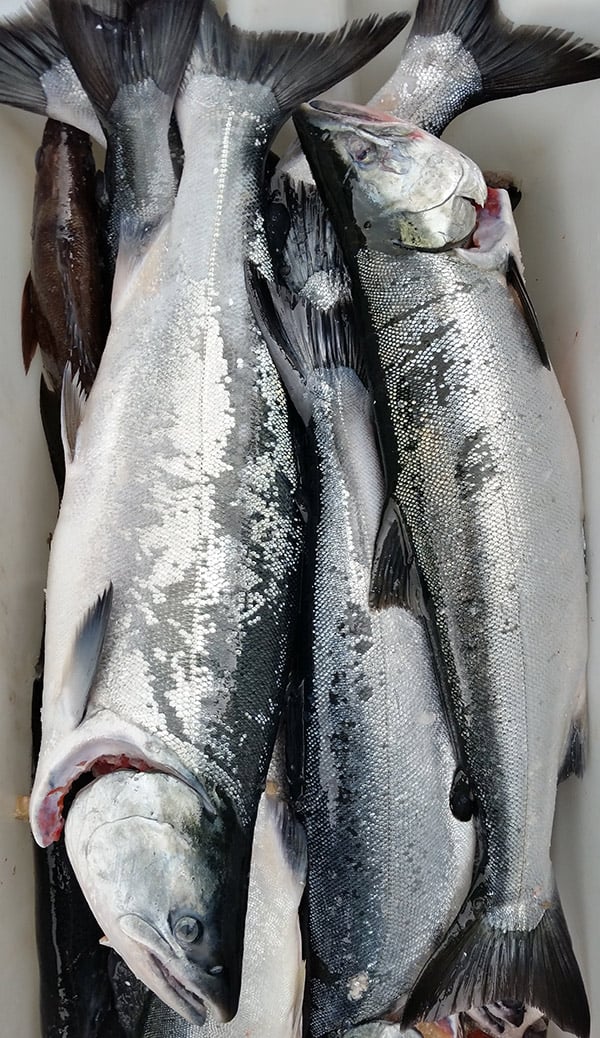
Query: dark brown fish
column 65, row 309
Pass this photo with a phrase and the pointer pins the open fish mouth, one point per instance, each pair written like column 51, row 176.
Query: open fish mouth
column 195, row 1008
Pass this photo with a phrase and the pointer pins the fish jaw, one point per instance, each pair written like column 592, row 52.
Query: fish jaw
column 156, row 872
column 495, row 237
column 389, row 184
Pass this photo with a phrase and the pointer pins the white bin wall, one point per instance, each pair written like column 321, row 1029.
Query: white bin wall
column 551, row 144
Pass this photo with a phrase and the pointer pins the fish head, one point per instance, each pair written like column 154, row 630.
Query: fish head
column 167, row 884
column 387, row 183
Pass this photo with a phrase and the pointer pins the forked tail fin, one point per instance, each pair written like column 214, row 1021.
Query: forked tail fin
column 35, row 73
column 130, row 59
column 496, row 59
column 295, row 66
column 478, row 963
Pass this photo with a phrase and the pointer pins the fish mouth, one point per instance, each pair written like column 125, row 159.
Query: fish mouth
column 195, row 1008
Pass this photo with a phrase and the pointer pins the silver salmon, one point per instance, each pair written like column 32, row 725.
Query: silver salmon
column 482, row 530
column 172, row 585
column 389, row 864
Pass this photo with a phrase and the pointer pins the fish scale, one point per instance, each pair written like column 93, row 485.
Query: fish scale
column 376, row 804
column 386, row 855
column 478, row 460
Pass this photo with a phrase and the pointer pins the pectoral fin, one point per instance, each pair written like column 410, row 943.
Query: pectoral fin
column 29, row 335
column 515, row 281
column 82, row 663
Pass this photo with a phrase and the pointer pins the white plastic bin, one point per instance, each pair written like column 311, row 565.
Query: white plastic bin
column 551, row 144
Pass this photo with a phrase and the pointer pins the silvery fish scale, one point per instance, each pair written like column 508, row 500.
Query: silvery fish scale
column 487, row 477
column 388, row 863
column 181, row 490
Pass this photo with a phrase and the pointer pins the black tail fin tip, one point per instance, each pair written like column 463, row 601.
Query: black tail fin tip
column 29, row 47
column 139, row 42
column 511, row 59
column 296, row 66
column 477, row 964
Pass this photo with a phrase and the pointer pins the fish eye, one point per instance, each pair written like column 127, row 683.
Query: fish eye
column 361, row 151
column 188, row 930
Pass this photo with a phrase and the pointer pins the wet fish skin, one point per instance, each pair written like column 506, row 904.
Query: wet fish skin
column 68, row 293
column 273, row 972
column 386, row 855
column 484, row 489
column 65, row 308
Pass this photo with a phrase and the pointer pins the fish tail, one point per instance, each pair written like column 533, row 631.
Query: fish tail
column 114, row 44
column 295, row 66
column 301, row 337
column 478, row 963
column 512, row 59
column 130, row 59
column 29, row 47
column 301, row 236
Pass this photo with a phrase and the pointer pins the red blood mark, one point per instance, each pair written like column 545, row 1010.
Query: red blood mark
column 49, row 818
column 50, row 815
column 493, row 203
column 120, row 762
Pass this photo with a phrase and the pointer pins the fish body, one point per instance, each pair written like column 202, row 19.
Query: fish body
column 65, row 310
column 389, row 864
column 180, row 492
column 67, row 296
column 481, row 535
